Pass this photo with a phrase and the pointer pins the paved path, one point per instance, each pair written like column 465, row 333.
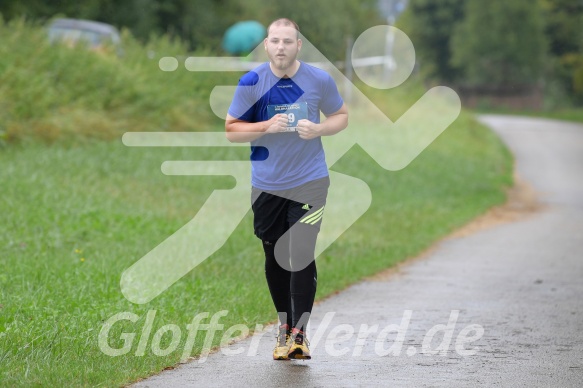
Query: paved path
column 521, row 282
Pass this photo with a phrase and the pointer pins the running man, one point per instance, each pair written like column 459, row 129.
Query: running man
column 277, row 108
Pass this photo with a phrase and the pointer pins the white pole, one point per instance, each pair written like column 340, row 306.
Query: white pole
column 389, row 62
column 348, row 69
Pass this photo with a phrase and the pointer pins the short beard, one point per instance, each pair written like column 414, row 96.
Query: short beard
column 283, row 65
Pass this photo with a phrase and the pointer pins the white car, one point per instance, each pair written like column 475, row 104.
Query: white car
column 96, row 34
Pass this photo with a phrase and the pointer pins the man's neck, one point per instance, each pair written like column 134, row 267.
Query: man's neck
column 287, row 73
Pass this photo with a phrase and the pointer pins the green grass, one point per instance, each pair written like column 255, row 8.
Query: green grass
column 62, row 94
column 76, row 217
column 78, row 212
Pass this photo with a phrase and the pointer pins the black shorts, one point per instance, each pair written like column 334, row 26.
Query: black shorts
column 276, row 211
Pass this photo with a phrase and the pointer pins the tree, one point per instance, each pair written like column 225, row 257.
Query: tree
column 500, row 43
column 565, row 34
column 202, row 23
column 564, row 26
column 327, row 23
column 430, row 24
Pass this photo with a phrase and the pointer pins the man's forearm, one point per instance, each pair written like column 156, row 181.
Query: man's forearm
column 334, row 124
column 242, row 131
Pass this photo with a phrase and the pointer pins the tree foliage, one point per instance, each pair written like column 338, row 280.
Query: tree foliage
column 497, row 42
column 564, row 29
column 202, row 23
column 564, row 25
column 327, row 23
column 500, row 43
column 430, row 25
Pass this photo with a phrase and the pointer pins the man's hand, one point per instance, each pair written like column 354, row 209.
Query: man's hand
column 333, row 124
column 308, row 130
column 278, row 123
column 239, row 131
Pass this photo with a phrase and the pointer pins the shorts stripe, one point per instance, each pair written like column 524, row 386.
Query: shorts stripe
column 316, row 215
column 316, row 220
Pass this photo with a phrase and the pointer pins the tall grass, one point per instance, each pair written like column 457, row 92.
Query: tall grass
column 58, row 93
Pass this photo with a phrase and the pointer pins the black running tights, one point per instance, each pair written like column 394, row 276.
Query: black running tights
column 293, row 291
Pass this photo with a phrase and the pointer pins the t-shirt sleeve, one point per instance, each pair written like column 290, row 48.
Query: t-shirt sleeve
column 243, row 102
column 331, row 99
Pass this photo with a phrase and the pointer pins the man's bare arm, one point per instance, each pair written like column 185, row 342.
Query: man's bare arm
column 239, row 131
column 333, row 124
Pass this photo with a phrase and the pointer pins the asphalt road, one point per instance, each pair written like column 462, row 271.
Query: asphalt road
column 499, row 307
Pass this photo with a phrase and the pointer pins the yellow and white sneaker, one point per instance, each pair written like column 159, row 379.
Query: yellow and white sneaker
column 283, row 343
column 299, row 348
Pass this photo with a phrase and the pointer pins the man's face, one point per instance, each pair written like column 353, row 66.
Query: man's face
column 282, row 46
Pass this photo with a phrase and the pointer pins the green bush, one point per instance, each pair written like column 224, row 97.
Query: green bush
column 59, row 93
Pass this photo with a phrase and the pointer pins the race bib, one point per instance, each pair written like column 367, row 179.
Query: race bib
column 295, row 112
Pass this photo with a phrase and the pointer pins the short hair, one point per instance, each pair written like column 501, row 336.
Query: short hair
column 284, row 22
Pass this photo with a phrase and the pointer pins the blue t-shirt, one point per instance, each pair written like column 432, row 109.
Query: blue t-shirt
column 291, row 161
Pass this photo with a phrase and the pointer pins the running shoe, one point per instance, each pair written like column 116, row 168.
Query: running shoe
column 299, row 348
column 283, row 343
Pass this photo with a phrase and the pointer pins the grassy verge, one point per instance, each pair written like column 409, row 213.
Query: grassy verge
column 75, row 218
column 61, row 94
